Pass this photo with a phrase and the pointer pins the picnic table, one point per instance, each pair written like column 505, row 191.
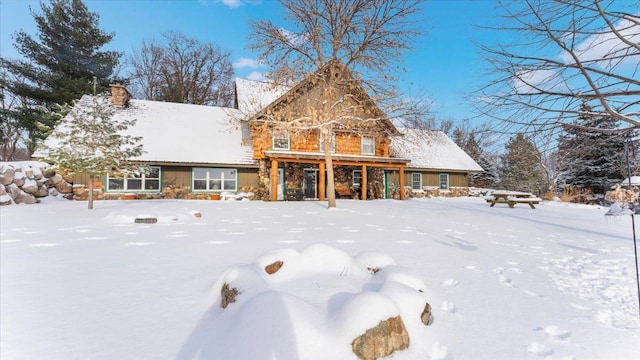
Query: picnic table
column 512, row 198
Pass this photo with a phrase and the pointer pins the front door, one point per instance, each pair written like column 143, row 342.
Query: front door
column 280, row 184
column 310, row 184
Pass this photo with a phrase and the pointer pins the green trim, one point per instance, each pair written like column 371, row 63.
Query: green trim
column 210, row 191
column 134, row 191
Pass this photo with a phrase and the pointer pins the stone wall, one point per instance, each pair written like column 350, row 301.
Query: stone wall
column 27, row 182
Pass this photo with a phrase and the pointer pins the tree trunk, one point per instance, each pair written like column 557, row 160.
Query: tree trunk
column 328, row 159
column 90, row 200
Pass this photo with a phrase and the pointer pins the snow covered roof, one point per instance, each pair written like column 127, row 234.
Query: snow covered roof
column 428, row 149
column 252, row 95
column 184, row 133
column 635, row 181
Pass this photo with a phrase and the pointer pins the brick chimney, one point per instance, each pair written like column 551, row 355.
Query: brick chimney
column 119, row 94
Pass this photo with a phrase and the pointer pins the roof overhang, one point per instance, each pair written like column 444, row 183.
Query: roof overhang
column 338, row 159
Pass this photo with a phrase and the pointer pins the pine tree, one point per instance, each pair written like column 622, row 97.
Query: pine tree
column 521, row 166
column 90, row 140
column 58, row 66
column 489, row 177
column 593, row 158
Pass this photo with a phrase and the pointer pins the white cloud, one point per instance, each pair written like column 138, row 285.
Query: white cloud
column 533, row 81
column 256, row 75
column 246, row 63
column 237, row 3
column 603, row 48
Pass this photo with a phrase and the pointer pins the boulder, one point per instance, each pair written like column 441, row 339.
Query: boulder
column 229, row 295
column 19, row 181
column 5, row 199
column 3, row 190
column 42, row 191
column 426, row 317
column 13, row 191
column 63, row 187
column 24, row 198
column 381, row 341
column 6, row 177
column 56, row 179
column 30, row 186
column 273, row 268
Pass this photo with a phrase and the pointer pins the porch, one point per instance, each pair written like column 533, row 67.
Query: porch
column 302, row 176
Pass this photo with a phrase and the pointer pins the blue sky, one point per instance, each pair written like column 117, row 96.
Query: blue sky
column 445, row 65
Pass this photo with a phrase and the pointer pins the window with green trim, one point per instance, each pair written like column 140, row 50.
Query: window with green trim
column 416, row 181
column 149, row 181
column 444, row 181
column 357, row 178
column 214, row 179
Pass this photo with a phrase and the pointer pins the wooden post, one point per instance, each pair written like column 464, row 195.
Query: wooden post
column 322, row 180
column 274, row 180
column 363, row 185
column 401, row 181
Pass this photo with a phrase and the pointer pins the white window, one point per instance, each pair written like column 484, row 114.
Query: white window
column 281, row 139
column 416, row 181
column 215, row 179
column 149, row 181
column 368, row 145
column 444, row 181
column 357, row 178
column 333, row 143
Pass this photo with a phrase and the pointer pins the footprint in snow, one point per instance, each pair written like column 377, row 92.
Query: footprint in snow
column 539, row 349
column 439, row 352
column 451, row 282
column 505, row 280
column 449, row 307
column 557, row 333
column 472, row 267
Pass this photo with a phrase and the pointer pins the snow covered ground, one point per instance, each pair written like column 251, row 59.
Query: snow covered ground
column 557, row 282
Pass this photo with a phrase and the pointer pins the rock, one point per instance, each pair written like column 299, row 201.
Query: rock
column 63, row 187
column 56, row 179
column 381, row 341
column 197, row 214
column 146, row 220
column 6, row 177
column 49, row 172
column 229, row 295
column 53, row 192
column 30, row 186
column 3, row 190
column 426, row 317
column 5, row 199
column 273, row 268
column 24, row 198
column 29, row 173
column 42, row 191
column 13, row 191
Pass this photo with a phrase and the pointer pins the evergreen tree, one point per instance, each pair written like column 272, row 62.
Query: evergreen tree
column 468, row 143
column 89, row 140
column 593, row 158
column 59, row 66
column 521, row 166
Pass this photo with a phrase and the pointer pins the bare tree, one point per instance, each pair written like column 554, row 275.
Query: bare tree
column 566, row 53
column 351, row 51
column 182, row 69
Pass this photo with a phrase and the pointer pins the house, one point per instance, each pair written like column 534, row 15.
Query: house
column 195, row 151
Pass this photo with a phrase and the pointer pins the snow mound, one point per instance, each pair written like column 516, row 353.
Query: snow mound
column 315, row 304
